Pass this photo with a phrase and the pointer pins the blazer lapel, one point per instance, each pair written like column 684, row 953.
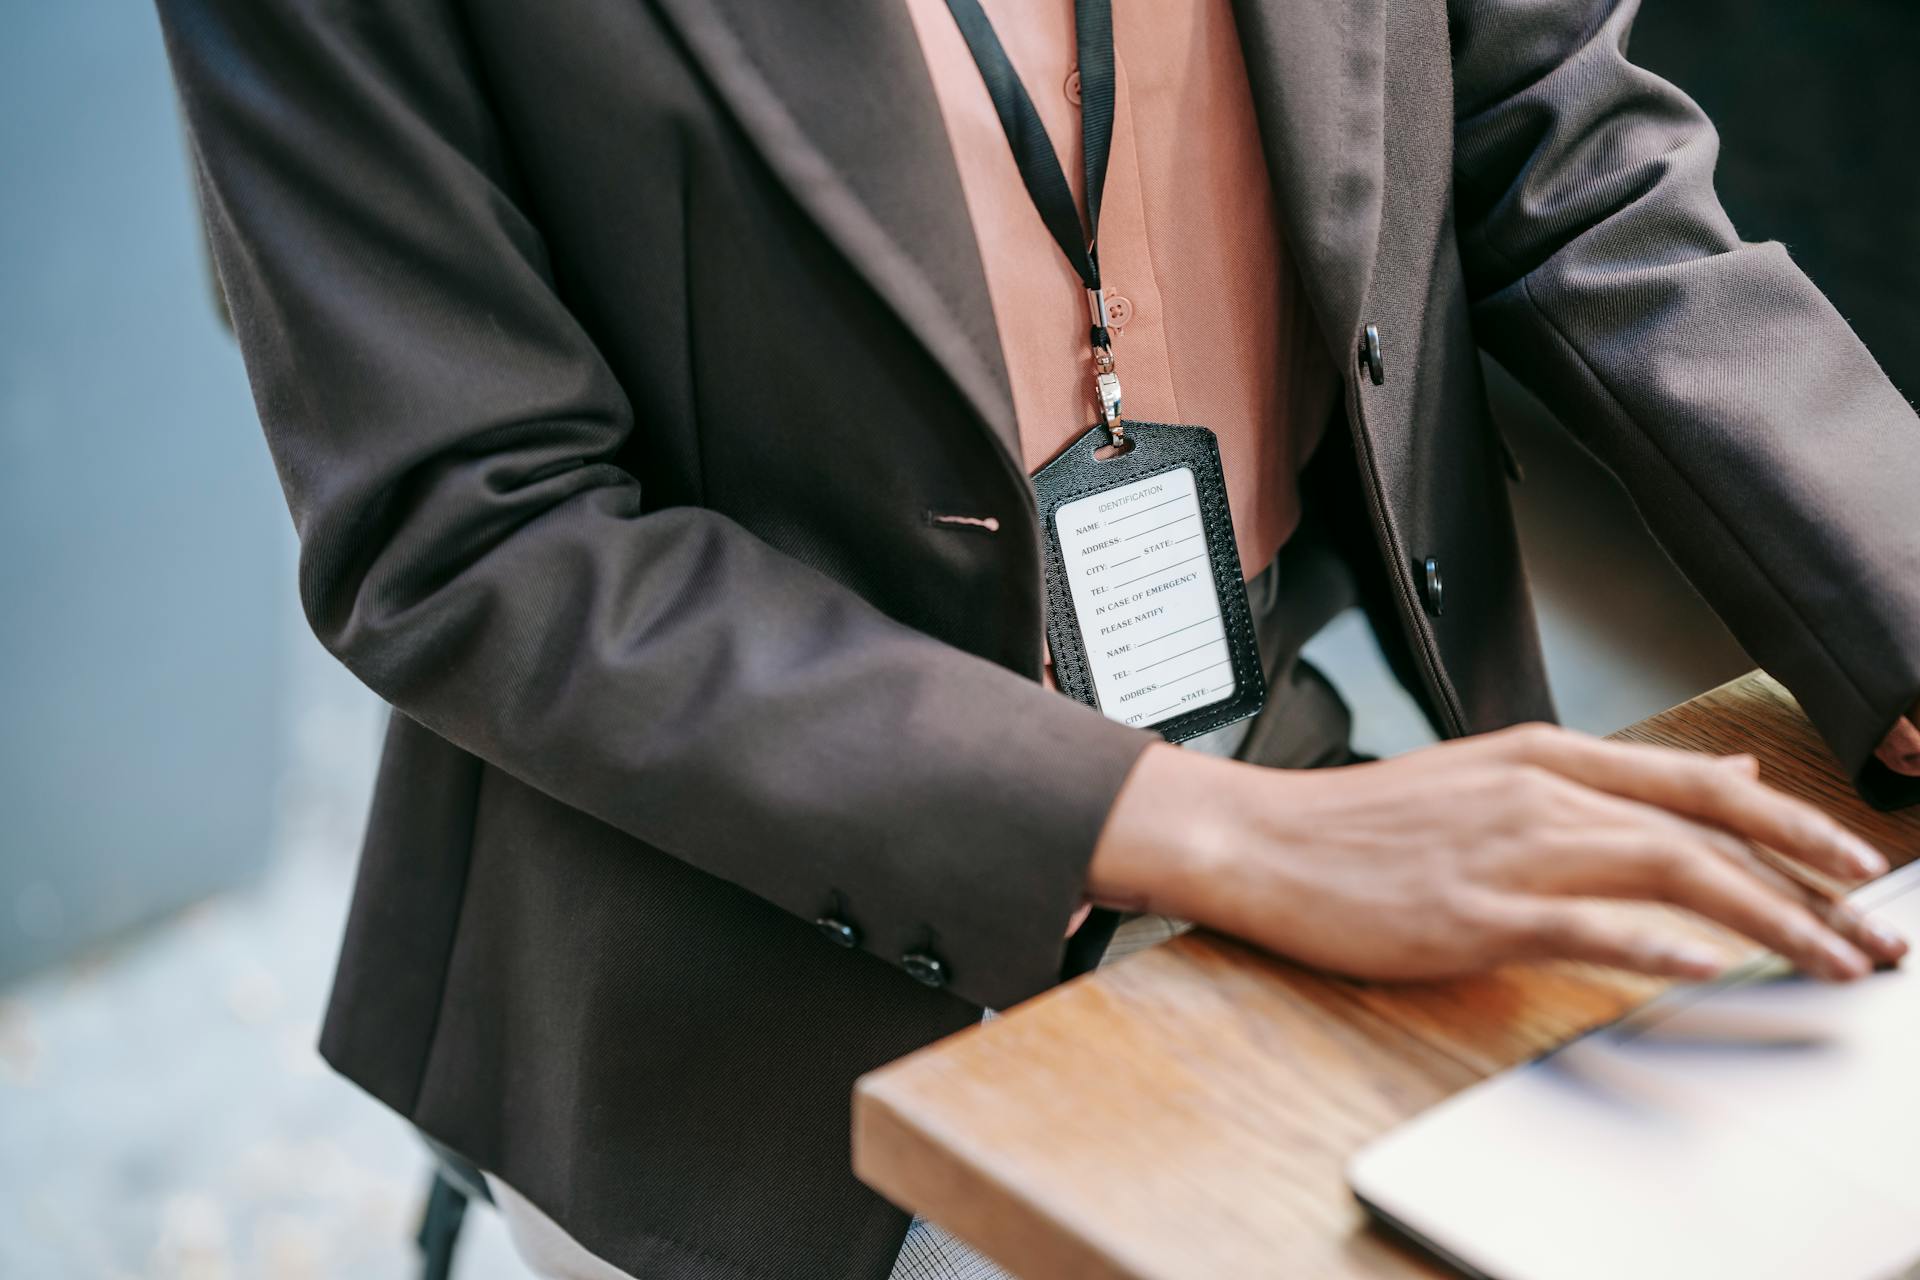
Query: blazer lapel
column 836, row 96
column 1318, row 75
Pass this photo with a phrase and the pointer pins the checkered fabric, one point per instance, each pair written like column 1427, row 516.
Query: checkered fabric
column 929, row 1253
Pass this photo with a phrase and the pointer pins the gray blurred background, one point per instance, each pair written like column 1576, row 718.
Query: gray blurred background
column 183, row 773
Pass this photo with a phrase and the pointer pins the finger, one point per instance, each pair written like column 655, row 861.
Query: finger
column 1617, row 848
column 1699, row 878
column 1725, row 795
column 1900, row 750
column 1550, row 928
column 1611, row 847
column 1878, row 940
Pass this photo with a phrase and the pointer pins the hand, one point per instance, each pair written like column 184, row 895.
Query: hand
column 1900, row 751
column 1471, row 854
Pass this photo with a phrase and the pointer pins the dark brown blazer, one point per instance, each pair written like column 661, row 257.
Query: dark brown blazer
column 614, row 354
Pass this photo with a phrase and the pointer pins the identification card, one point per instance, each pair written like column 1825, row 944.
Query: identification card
column 1147, row 615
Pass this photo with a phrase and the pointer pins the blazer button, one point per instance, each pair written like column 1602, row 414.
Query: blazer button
column 1370, row 355
column 1436, row 588
column 838, row 931
column 925, row 968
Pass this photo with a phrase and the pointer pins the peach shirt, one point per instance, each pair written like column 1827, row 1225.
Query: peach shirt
column 1209, row 322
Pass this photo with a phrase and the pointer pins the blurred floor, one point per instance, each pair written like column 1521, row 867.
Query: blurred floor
column 165, row 1114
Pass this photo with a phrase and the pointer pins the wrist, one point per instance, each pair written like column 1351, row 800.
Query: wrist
column 1170, row 827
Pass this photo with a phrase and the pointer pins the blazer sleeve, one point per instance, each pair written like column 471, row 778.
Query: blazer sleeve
column 1761, row 442
column 443, row 428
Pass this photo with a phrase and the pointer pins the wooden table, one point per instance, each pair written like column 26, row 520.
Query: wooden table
column 1188, row 1112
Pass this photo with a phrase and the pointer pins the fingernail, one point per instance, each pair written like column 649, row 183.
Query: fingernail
column 1865, row 859
column 1884, row 938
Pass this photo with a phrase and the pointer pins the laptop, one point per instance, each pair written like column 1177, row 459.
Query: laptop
column 1761, row 1126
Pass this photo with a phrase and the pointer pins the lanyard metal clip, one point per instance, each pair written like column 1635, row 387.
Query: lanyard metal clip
column 1107, row 386
column 1106, row 383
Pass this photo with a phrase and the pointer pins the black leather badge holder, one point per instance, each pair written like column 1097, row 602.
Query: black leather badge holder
column 1147, row 615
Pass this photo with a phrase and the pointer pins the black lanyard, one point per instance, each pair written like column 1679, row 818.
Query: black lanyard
column 1040, row 164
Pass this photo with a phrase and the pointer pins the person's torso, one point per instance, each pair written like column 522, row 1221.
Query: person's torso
column 753, row 212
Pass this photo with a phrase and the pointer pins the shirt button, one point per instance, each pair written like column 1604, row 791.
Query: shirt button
column 925, row 968
column 838, row 931
column 1119, row 310
column 1436, row 588
column 1072, row 86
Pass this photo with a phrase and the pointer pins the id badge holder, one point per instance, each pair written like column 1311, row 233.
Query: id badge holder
column 1147, row 615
